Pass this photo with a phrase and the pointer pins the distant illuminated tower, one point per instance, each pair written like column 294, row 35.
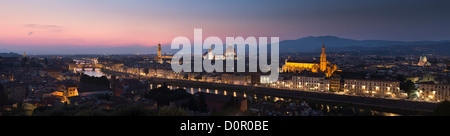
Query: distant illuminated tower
column 210, row 54
column 323, row 59
column 159, row 50
column 160, row 58
column 24, row 54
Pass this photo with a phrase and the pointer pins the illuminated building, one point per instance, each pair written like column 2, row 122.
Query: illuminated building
column 72, row 91
column 161, row 59
column 335, row 83
column 434, row 92
column 322, row 67
column 69, row 89
column 423, row 61
column 238, row 79
column 65, row 90
column 230, row 53
column 209, row 55
column 310, row 82
column 372, row 87
column 159, row 50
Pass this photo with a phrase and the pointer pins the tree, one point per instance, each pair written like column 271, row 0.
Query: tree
column 107, row 97
column 127, row 110
column 192, row 104
column 102, row 81
column 202, row 107
column 401, row 78
column 146, row 71
column 231, row 108
column 164, row 86
column 171, row 111
column 164, row 95
column 408, row 86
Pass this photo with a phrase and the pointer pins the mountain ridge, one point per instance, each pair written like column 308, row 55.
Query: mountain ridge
column 304, row 44
column 314, row 43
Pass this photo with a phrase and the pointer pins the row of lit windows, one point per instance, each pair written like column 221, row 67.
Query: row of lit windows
column 309, row 82
column 370, row 83
column 440, row 89
column 321, row 79
column 370, row 88
column 437, row 87
column 446, row 92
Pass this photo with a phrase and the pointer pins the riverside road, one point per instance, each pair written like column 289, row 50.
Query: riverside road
column 328, row 97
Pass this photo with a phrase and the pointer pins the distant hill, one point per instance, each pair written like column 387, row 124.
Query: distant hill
column 435, row 49
column 306, row 44
column 10, row 55
column 68, row 50
column 332, row 43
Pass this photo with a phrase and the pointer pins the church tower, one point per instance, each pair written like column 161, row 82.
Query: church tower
column 159, row 50
column 323, row 59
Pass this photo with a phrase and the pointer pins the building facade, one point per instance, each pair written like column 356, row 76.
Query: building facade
column 434, row 92
column 237, row 79
column 323, row 66
column 310, row 83
column 335, row 83
column 371, row 87
column 161, row 59
column 423, row 61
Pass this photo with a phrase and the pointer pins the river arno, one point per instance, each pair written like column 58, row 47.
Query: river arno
column 91, row 72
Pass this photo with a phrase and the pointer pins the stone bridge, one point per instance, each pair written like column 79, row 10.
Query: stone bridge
column 83, row 66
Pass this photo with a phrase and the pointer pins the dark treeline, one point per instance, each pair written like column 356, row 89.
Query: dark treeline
column 3, row 97
column 163, row 96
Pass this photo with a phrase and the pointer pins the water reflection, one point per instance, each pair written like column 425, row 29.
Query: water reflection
column 91, row 72
column 193, row 90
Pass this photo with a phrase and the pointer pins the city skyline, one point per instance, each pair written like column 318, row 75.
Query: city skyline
column 41, row 25
column 235, row 67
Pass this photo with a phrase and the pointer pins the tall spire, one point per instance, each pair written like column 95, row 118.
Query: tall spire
column 323, row 59
column 323, row 48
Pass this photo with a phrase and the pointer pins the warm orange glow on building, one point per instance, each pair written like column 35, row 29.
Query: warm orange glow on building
column 72, row 91
column 160, row 58
column 323, row 66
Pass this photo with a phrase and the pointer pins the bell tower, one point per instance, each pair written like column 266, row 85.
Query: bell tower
column 159, row 50
column 323, row 59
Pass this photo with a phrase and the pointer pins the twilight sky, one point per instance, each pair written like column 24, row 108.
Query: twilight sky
column 104, row 23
